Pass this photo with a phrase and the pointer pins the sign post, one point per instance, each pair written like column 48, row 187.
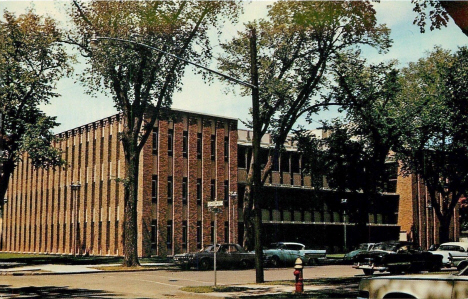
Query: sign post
column 215, row 207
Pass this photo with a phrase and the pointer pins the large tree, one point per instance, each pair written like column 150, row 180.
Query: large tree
column 297, row 47
column 438, row 13
column 31, row 62
column 353, row 155
column 140, row 80
column 435, row 118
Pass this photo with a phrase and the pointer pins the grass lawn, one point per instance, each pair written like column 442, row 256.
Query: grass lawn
column 332, row 288
column 39, row 259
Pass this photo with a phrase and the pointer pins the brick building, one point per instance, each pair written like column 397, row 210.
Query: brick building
column 293, row 211
column 417, row 218
column 188, row 161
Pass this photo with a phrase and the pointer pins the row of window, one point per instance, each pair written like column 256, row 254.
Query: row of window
column 321, row 216
column 185, row 233
column 170, row 144
column 170, row 190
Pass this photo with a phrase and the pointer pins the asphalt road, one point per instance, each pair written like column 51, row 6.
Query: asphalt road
column 147, row 284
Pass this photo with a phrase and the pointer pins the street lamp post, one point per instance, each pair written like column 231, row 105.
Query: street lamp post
column 215, row 207
column 344, row 201
column 232, row 212
column 75, row 187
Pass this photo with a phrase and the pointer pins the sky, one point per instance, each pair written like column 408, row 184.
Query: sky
column 75, row 108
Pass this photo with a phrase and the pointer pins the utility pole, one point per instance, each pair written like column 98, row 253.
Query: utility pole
column 256, row 175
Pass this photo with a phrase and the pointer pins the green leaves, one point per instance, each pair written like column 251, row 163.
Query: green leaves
column 298, row 46
column 31, row 62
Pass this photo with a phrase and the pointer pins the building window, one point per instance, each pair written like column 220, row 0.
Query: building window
column 285, row 163
column 169, row 234
column 213, row 147
column 241, row 157
column 199, row 145
column 213, row 189
column 155, row 141
column 169, row 189
column 154, row 235
column 184, row 191
column 199, row 234
column 184, row 234
column 170, row 141
column 212, row 231
column 199, row 193
column 154, row 189
column 226, row 193
column 226, row 232
column 185, row 144
column 295, row 158
column 226, row 148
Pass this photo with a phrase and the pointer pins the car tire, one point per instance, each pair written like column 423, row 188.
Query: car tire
column 246, row 264
column 204, row 264
column 275, row 261
column 368, row 271
column 312, row 262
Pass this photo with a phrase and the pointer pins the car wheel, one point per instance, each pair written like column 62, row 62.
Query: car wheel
column 204, row 264
column 312, row 262
column 275, row 261
column 436, row 268
column 368, row 271
column 246, row 264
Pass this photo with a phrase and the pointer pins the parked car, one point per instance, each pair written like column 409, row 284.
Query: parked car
column 286, row 253
column 227, row 256
column 440, row 286
column 351, row 256
column 433, row 247
column 453, row 253
column 397, row 257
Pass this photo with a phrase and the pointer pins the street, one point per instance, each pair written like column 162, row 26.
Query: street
column 148, row 284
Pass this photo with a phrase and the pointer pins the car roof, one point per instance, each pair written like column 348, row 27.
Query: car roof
column 289, row 243
column 456, row 243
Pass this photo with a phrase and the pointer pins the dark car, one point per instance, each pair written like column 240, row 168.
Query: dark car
column 227, row 256
column 351, row 256
column 396, row 257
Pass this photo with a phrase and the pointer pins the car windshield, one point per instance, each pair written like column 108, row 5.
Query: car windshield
column 385, row 247
column 363, row 246
column 274, row 246
column 450, row 248
column 207, row 248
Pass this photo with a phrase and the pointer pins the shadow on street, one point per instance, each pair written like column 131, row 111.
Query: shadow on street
column 52, row 292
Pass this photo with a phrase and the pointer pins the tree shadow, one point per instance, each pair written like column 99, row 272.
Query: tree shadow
column 53, row 292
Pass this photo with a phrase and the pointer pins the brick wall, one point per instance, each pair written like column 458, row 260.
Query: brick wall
column 41, row 210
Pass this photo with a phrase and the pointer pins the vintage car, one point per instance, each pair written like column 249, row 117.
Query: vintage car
column 351, row 256
column 453, row 253
column 227, row 256
column 424, row 286
column 396, row 257
column 286, row 253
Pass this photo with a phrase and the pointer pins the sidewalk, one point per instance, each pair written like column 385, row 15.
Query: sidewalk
column 63, row 269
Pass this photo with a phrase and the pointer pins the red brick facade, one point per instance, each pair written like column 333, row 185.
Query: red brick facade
column 41, row 209
column 416, row 216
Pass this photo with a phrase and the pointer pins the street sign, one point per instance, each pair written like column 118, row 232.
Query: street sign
column 216, row 203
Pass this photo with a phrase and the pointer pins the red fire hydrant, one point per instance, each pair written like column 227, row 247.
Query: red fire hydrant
column 298, row 273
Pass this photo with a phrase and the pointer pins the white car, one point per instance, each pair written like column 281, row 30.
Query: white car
column 440, row 286
column 452, row 252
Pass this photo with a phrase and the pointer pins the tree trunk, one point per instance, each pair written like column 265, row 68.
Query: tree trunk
column 248, row 242
column 7, row 169
column 444, row 229
column 130, row 246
